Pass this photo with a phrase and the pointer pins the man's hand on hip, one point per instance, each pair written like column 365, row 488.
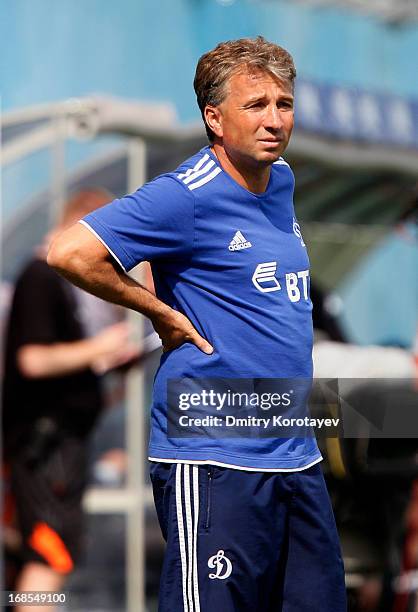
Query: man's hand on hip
column 175, row 329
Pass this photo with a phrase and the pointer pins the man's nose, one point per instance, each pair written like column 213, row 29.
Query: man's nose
column 273, row 118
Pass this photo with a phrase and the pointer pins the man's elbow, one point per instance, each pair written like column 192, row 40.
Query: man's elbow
column 65, row 257
column 78, row 255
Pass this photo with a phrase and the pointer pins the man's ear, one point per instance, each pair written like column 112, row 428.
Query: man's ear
column 213, row 118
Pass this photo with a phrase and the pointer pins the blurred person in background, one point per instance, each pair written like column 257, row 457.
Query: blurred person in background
column 59, row 341
column 248, row 522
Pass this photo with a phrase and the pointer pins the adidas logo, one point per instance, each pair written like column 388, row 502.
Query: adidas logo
column 238, row 242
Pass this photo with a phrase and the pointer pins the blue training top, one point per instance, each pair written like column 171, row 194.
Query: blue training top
column 234, row 262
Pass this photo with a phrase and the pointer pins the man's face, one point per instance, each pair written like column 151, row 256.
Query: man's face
column 256, row 118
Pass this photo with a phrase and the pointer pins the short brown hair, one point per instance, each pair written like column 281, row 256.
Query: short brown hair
column 216, row 67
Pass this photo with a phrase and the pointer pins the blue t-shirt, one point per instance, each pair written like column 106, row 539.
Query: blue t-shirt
column 235, row 264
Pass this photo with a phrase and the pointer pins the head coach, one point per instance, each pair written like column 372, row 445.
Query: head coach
column 247, row 520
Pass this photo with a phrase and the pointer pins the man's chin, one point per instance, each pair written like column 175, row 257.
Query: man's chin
column 269, row 156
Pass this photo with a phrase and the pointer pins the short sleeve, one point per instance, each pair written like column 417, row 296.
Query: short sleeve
column 156, row 222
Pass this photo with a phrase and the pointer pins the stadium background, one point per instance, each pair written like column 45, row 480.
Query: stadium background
column 106, row 77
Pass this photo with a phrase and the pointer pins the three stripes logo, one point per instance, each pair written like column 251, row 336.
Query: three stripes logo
column 264, row 277
column 204, row 171
column 238, row 242
column 187, row 507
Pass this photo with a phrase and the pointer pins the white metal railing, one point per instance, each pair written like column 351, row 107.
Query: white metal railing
column 86, row 118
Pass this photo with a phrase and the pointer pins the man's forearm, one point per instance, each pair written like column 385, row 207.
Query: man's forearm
column 60, row 359
column 107, row 349
column 106, row 281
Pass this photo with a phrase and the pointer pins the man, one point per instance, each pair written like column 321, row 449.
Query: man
column 247, row 519
column 52, row 397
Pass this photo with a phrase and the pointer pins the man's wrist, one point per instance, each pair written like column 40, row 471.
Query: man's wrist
column 161, row 313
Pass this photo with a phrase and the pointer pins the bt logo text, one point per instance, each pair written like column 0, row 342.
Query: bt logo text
column 264, row 279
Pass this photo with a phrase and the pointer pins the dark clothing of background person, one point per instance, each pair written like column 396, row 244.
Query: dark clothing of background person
column 46, row 421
